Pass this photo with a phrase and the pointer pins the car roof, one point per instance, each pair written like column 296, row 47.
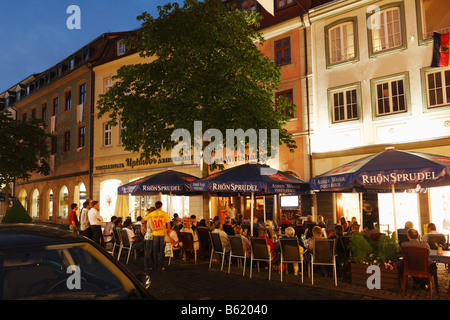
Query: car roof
column 24, row 234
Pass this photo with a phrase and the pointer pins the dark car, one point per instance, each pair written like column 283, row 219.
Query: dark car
column 44, row 262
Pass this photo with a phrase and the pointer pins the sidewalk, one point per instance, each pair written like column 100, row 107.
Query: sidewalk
column 205, row 283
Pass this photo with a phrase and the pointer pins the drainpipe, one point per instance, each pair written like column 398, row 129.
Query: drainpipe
column 91, row 131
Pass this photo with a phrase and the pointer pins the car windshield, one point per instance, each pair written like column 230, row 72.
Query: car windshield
column 69, row 271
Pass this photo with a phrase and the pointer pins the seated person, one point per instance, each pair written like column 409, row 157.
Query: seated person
column 187, row 228
column 135, row 242
column 227, row 227
column 246, row 242
column 370, row 229
column 262, row 233
column 320, row 221
column 413, row 237
column 434, row 238
column 223, row 236
column 290, row 233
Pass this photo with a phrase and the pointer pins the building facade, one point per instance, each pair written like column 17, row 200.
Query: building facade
column 374, row 87
column 114, row 166
column 62, row 97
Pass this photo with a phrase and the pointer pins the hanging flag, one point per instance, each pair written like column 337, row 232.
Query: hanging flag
column 440, row 50
column 268, row 5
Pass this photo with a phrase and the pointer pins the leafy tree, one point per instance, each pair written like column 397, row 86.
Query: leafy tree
column 205, row 65
column 17, row 214
column 23, row 150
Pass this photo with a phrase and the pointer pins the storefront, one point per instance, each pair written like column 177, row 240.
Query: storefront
column 420, row 206
column 114, row 171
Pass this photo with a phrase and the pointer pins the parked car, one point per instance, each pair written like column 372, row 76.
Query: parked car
column 44, row 262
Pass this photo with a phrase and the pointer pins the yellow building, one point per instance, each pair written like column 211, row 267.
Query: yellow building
column 113, row 166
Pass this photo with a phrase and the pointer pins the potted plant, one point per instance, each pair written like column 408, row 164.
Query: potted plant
column 384, row 253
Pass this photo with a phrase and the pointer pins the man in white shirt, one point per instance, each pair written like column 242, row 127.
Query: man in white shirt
column 231, row 211
column 135, row 242
column 85, row 228
column 95, row 220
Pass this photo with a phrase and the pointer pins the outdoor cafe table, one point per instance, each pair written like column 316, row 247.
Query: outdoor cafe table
column 442, row 258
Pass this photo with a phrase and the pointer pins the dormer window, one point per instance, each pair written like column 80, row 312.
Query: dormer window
column 72, row 63
column 121, row 48
column 248, row 5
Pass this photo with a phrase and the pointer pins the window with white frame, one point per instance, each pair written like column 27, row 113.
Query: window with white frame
column 438, row 88
column 106, row 134
column 121, row 131
column 390, row 96
column 107, row 83
column 386, row 29
column 344, row 104
column 121, row 48
column 341, row 42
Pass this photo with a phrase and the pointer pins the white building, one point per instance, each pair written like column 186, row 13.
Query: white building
column 373, row 87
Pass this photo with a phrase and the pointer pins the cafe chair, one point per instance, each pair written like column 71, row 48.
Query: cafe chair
column 117, row 240
column 436, row 240
column 237, row 250
column 260, row 252
column 417, row 264
column 204, row 240
column 290, row 253
column 402, row 237
column 188, row 244
column 126, row 244
column 324, row 254
column 217, row 248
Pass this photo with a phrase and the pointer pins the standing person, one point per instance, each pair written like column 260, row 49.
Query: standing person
column 73, row 219
column 95, row 221
column 148, row 241
column 159, row 222
column 231, row 211
column 85, row 227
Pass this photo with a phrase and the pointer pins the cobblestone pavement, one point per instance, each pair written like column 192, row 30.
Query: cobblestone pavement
column 184, row 280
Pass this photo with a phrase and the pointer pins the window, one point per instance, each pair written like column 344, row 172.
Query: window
column 248, row 5
column 345, row 103
column 438, row 88
column 81, row 136
column 68, row 98
column 283, row 52
column 72, row 63
column 55, row 106
column 107, row 83
column 341, row 40
column 121, row 131
column 106, row 134
column 284, row 3
column 121, row 48
column 44, row 111
column 386, row 30
column 288, row 94
column 434, row 16
column 66, row 141
column 33, row 113
column 24, row 117
column 82, row 96
column 390, row 95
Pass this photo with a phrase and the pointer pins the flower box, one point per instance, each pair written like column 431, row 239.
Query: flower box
column 390, row 279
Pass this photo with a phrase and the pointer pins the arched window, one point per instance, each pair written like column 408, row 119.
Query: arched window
column 63, row 203
column 35, row 204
